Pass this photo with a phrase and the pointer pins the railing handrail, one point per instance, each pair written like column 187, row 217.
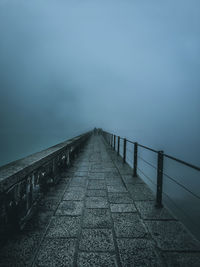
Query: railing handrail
column 165, row 155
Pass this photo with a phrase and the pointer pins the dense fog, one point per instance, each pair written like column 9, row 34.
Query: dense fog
column 129, row 67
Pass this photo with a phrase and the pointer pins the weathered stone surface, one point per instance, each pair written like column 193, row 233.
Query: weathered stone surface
column 140, row 192
column 96, row 176
column 183, row 259
column 96, row 193
column 92, row 259
column 119, row 198
column 70, row 208
column 56, row 252
column 129, row 179
column 148, row 210
column 96, row 240
column 95, row 218
column 96, row 184
column 116, row 189
column 171, row 235
column 138, row 252
column 96, row 202
column 80, row 173
column 79, row 182
column 122, row 208
column 128, row 225
column 64, row 226
column 74, row 195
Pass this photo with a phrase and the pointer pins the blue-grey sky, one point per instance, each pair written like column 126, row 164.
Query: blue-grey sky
column 131, row 67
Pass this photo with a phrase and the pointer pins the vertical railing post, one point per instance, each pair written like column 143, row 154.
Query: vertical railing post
column 159, row 180
column 124, row 154
column 114, row 141
column 111, row 140
column 135, row 159
column 118, row 145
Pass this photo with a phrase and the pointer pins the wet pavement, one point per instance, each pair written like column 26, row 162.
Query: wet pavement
column 99, row 215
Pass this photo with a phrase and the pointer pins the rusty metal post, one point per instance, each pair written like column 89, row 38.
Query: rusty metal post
column 135, row 159
column 118, row 145
column 159, row 180
column 124, row 154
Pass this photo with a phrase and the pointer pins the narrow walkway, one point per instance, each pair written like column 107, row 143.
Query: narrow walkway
column 99, row 215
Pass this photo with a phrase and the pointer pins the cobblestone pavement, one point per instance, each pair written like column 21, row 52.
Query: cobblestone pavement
column 99, row 215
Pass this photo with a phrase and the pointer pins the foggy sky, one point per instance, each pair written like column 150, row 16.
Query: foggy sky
column 130, row 67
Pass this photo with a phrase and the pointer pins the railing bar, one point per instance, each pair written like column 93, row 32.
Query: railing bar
column 169, row 177
column 183, row 162
column 148, row 148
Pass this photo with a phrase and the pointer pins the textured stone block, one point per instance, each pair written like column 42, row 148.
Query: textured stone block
column 96, row 202
column 56, row 252
column 70, row 208
column 96, row 240
column 64, row 226
column 95, row 218
column 128, row 225
column 116, row 188
column 148, row 210
column 101, row 259
column 138, row 253
column 119, row 198
column 172, row 235
column 96, row 193
column 123, row 208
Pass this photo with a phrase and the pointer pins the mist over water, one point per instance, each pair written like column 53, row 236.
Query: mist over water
column 129, row 67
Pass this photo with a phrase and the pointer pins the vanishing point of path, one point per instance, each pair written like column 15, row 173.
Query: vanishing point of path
column 99, row 215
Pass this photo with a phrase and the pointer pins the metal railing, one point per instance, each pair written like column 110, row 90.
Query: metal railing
column 111, row 139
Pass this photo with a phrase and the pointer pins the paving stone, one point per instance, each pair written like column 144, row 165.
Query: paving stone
column 148, row 210
column 70, row 208
column 56, row 252
column 181, row 259
column 78, row 181
column 114, row 182
column 96, row 193
column 75, row 195
column 113, row 174
column 96, row 240
column 91, row 259
column 116, row 189
column 119, row 198
column 95, row 218
column 128, row 225
column 64, row 226
column 82, row 168
column 172, row 235
column 81, row 173
column 123, row 208
column 96, row 202
column 129, row 179
column 96, row 184
column 96, row 175
column 138, row 253
column 76, row 189
column 140, row 192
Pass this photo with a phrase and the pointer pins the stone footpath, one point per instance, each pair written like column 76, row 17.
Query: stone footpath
column 99, row 215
